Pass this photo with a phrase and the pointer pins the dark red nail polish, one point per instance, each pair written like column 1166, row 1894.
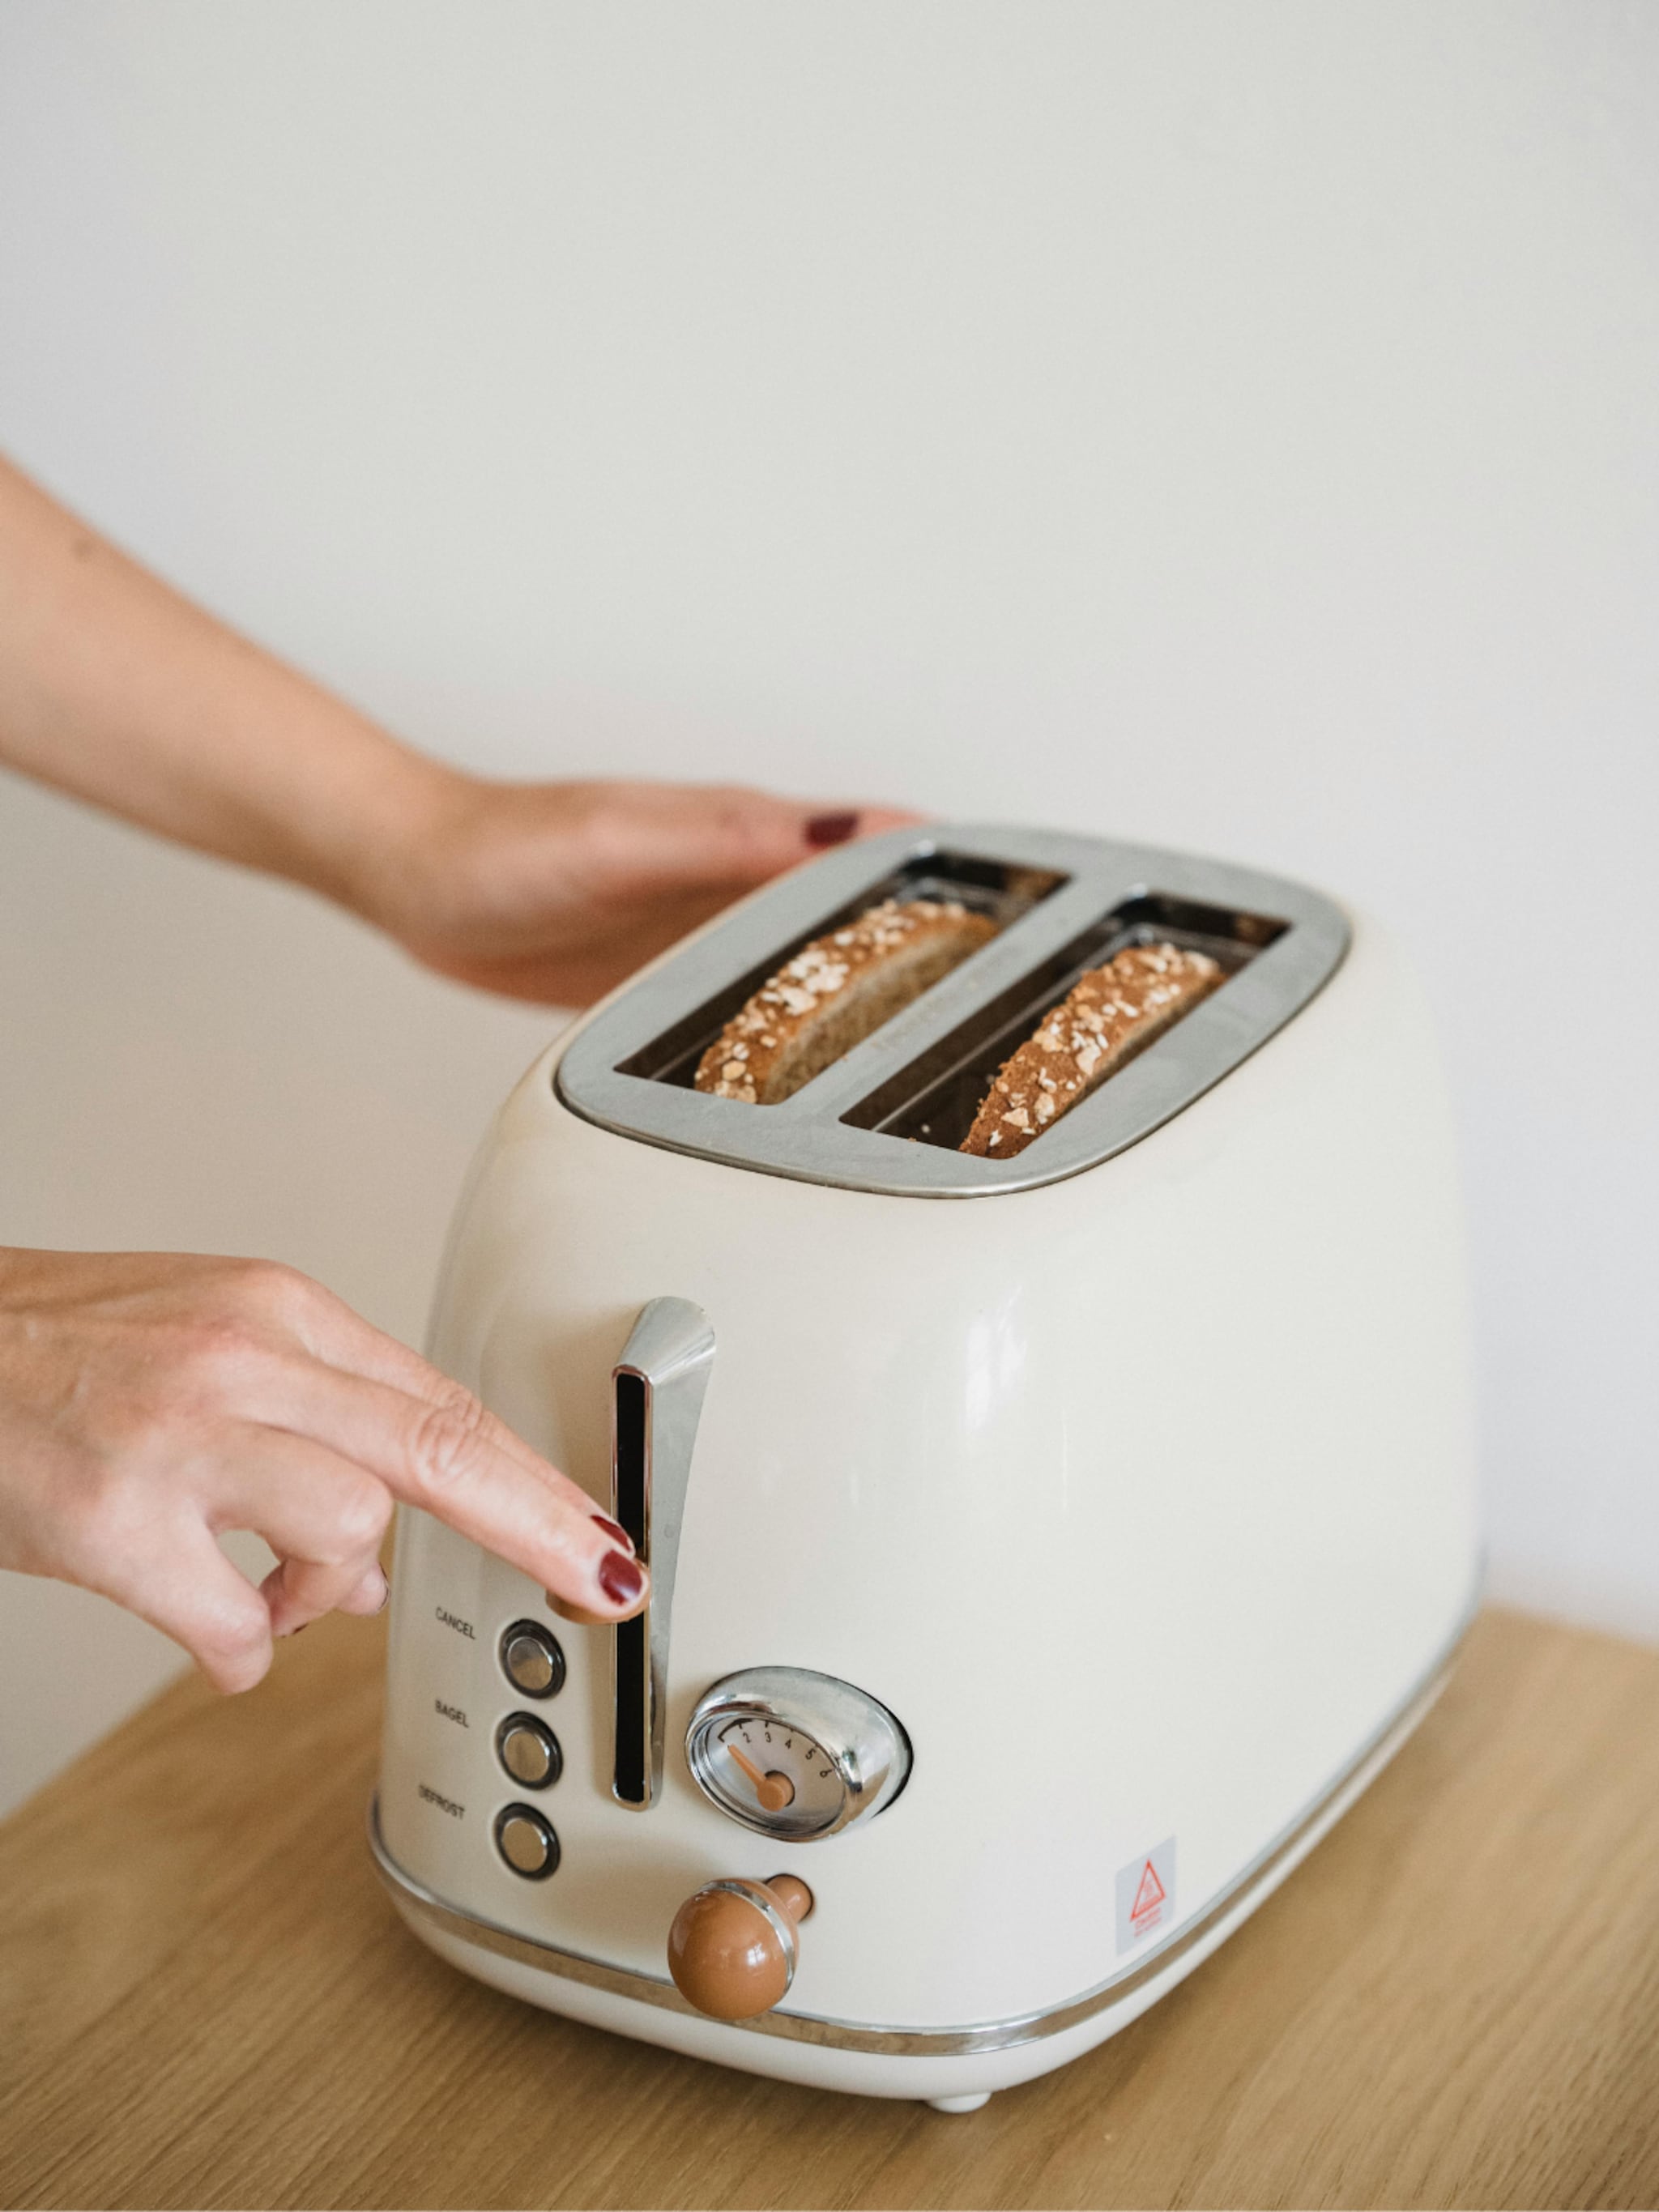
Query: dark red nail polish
column 831, row 829
column 616, row 1536
column 621, row 1578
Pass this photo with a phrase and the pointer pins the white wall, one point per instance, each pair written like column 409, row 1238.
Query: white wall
column 1229, row 426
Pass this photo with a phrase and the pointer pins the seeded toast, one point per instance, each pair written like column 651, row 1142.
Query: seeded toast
column 834, row 994
column 1110, row 1014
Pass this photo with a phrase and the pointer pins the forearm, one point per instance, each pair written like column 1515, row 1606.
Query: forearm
column 116, row 688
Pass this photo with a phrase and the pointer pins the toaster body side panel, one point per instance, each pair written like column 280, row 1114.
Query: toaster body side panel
column 1143, row 1500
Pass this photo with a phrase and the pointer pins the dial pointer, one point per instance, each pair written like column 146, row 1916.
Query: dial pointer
column 774, row 1791
column 747, row 1764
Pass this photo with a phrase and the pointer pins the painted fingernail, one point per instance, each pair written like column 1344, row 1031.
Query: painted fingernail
column 616, row 1536
column 831, row 829
column 620, row 1577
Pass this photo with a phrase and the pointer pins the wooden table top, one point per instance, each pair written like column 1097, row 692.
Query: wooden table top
column 205, row 1999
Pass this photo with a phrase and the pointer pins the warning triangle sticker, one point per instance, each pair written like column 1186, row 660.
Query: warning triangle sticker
column 1148, row 1895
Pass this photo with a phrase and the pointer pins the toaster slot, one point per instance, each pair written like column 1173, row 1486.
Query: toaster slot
column 934, row 1099
column 882, row 1101
column 1002, row 890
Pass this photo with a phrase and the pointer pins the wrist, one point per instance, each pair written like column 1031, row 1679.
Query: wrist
column 373, row 852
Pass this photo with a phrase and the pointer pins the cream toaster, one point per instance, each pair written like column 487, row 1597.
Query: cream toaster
column 1045, row 1550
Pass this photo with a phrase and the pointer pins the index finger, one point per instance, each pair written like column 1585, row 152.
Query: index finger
column 448, row 1455
column 420, row 1471
column 441, row 1449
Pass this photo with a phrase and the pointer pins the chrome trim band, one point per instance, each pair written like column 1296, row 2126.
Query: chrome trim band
column 928, row 2042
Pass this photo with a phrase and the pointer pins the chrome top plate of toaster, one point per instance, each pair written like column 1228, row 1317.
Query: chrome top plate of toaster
column 890, row 1114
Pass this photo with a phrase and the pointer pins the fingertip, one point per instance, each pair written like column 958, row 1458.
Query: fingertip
column 842, row 825
column 233, row 1677
column 577, row 1614
column 370, row 1597
column 624, row 1583
column 624, row 1589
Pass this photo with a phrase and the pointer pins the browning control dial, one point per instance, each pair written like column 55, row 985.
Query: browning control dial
column 795, row 1755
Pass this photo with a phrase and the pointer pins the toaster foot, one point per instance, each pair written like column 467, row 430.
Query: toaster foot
column 961, row 2103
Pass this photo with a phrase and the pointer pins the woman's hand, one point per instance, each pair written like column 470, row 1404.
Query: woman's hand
column 113, row 687
column 150, row 1401
column 556, row 892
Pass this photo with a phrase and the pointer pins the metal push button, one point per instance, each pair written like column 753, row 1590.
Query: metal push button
column 529, row 1752
column 526, row 1843
column 532, row 1660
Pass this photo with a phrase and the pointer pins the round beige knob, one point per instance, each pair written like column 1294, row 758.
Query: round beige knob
column 733, row 1945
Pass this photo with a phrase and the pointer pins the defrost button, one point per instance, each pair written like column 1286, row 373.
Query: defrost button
column 526, row 1843
column 532, row 1660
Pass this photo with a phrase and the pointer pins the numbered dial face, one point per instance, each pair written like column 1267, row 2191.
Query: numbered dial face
column 774, row 1777
column 794, row 1754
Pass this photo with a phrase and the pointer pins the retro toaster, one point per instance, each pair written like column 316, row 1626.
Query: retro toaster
column 1045, row 1551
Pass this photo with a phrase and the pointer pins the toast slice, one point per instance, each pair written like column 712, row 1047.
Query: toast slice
column 834, row 994
column 1110, row 1014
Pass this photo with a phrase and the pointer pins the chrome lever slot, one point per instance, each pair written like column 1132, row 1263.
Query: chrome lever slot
column 657, row 1390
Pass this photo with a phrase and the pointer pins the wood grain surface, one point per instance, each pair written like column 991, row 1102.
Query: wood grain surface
column 205, row 2000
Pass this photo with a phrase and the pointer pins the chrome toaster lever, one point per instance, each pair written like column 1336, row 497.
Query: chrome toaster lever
column 657, row 1393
